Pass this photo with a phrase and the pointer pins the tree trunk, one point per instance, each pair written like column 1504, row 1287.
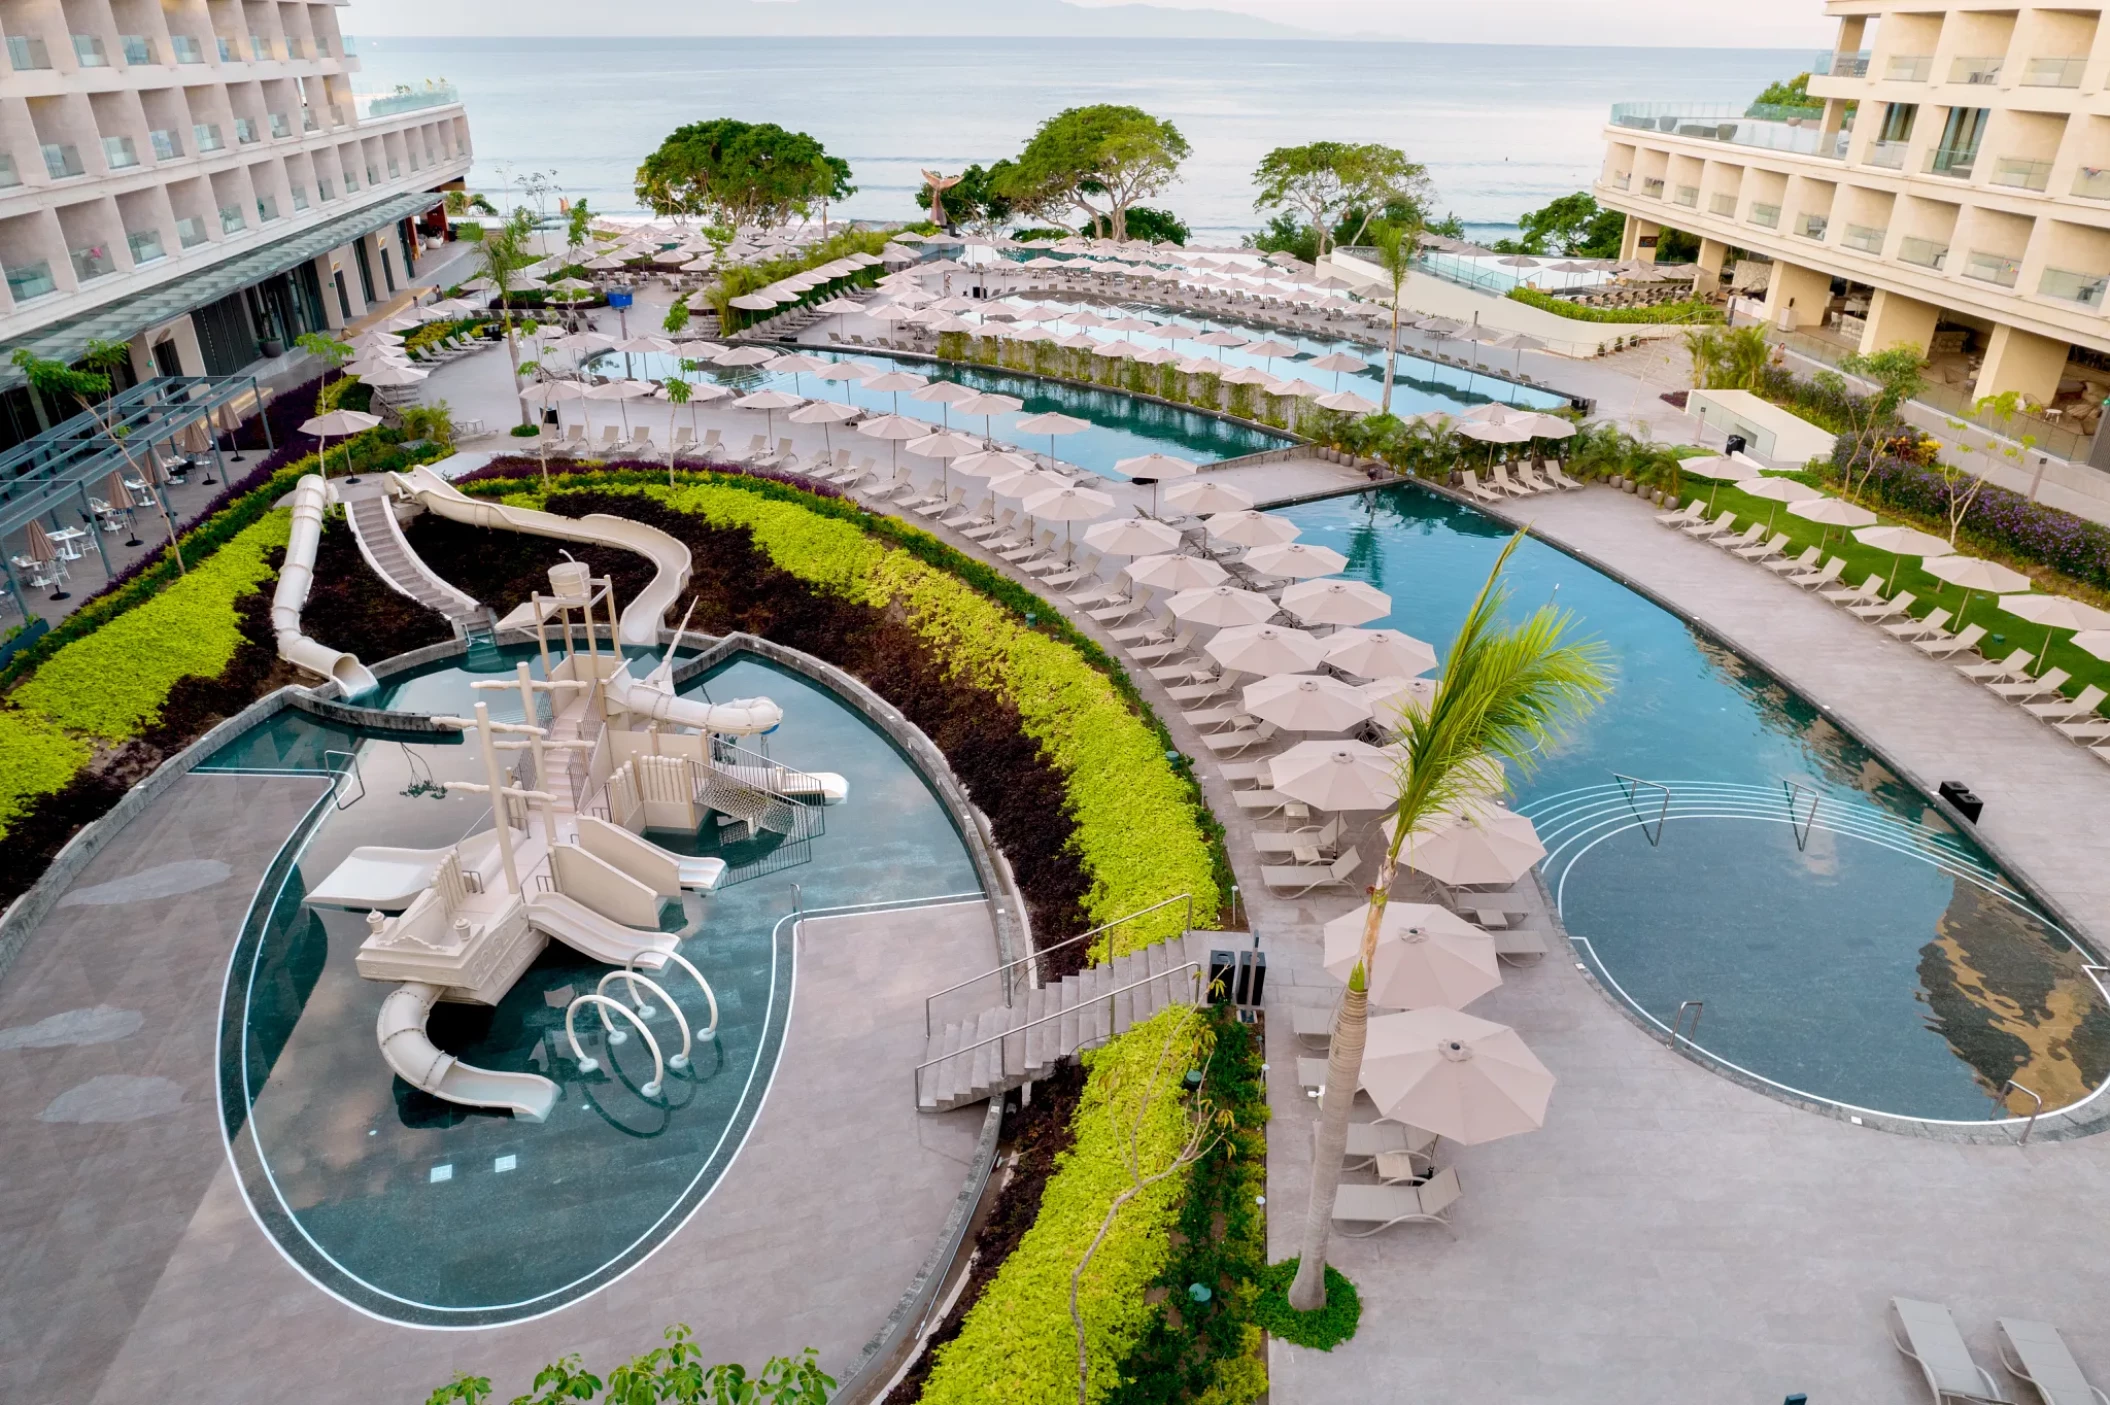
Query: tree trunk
column 513, row 355
column 1391, row 356
column 1344, row 1066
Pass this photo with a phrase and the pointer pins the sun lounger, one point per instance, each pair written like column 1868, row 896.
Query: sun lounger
column 1789, row 565
column 1510, row 485
column 1931, row 1340
column 684, row 439
column 1885, row 609
column 611, row 438
column 1257, row 772
column 1314, row 1024
column 1295, row 880
column 1369, row 1140
column 1814, row 580
column 1474, row 487
column 1950, row 645
column 2087, row 731
column 1519, row 946
column 1558, row 476
column 2076, row 709
column 2030, row 689
column 2014, row 667
column 1321, row 839
column 2036, row 1353
column 1723, row 521
column 1867, row 592
column 1767, row 550
column 1694, row 511
column 1261, row 803
column 1154, row 653
column 1933, row 625
column 1383, row 1206
column 1750, row 538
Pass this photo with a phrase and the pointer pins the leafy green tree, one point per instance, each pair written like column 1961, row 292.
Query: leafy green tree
column 1898, row 373
column 1158, row 226
column 1282, row 234
column 1326, row 181
column 1397, row 244
column 1574, row 226
column 977, row 201
column 578, row 228
column 677, row 318
column 1117, row 154
column 333, row 352
column 740, row 173
column 1507, row 693
column 1793, row 93
column 503, row 258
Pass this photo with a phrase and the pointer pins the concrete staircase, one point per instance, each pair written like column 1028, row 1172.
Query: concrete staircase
column 990, row 1053
column 387, row 551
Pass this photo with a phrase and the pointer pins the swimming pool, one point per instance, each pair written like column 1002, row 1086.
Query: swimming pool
column 426, row 1212
column 1848, row 943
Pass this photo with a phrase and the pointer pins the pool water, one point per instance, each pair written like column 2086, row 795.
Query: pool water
column 1847, row 943
column 425, row 1212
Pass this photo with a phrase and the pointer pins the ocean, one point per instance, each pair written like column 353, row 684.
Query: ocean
column 1501, row 129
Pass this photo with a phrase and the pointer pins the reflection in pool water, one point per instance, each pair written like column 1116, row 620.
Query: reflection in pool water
column 427, row 1212
column 1847, row 942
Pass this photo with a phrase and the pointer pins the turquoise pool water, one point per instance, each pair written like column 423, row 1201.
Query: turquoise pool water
column 1847, row 942
column 1123, row 427
column 425, row 1212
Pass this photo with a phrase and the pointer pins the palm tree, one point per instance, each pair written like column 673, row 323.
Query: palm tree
column 501, row 257
column 1396, row 246
column 1507, row 692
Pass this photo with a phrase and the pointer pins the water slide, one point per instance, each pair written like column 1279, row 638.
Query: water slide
column 422, row 1064
column 742, row 717
column 590, row 934
column 664, row 871
column 377, row 877
column 310, row 497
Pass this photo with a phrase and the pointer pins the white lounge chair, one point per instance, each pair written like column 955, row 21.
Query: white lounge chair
column 1933, row 625
column 1321, row 838
column 2010, row 669
column 1885, row 609
column 2036, row 1353
column 1791, row 565
column 1559, row 477
column 1723, row 521
column 1933, row 1343
column 2030, row 689
column 2076, row 709
column 1766, row 550
column 1474, row 487
column 1817, row 580
column 1866, row 593
column 1383, row 1206
column 1751, row 537
column 1694, row 511
column 1295, row 880
column 1950, row 645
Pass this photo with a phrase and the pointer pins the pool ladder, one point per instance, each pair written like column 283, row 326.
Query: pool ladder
column 1678, row 1031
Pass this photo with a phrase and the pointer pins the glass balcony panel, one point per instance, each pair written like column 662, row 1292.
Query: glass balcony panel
column 1977, row 72
column 324, row 190
column 119, row 152
column 9, row 176
column 322, row 46
column 1863, row 238
column 1953, row 162
column 88, row 51
column 25, row 52
column 1927, row 253
column 1652, row 185
column 373, row 177
column 167, row 145
column 1766, row 216
column 190, row 233
column 1992, row 268
column 146, row 246
column 138, row 49
column 1812, row 226
column 1723, row 205
column 227, row 51
column 266, row 209
column 395, row 171
column 2068, row 286
column 351, row 180
column 2053, row 73
column 244, row 131
column 280, row 127
column 2020, row 174
column 92, row 261
column 407, row 99
column 351, row 46
column 300, row 197
column 2092, row 182
column 307, row 119
column 1688, row 196
column 62, row 162
column 1791, row 129
column 1909, row 68
column 207, row 136
column 30, row 280
column 259, row 47
column 187, row 49
column 1888, row 155
column 1843, row 64
column 231, row 220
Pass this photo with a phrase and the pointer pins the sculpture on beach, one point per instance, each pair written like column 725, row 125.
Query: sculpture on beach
column 938, row 186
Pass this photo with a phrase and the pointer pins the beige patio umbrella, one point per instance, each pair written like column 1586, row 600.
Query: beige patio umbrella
column 989, row 405
column 1221, row 338
column 1307, row 702
column 744, row 356
column 1207, row 495
column 1025, row 485
column 1831, row 512
column 343, row 424
column 1378, row 653
column 1391, row 697
column 1902, row 542
column 894, row 382
column 1069, row 505
column 1052, row 423
column 824, row 413
column 1780, row 490
column 993, row 463
column 390, row 376
column 1426, row 955
column 44, row 553
column 945, row 394
column 2093, row 642
column 895, row 429
column 1218, row 606
column 945, row 446
column 119, row 498
column 1975, row 574
column 2054, row 612
column 1337, row 362
column 1299, row 560
column 1135, row 536
column 1346, row 402
column 1454, row 1074
column 1251, row 528
column 1336, row 775
column 1336, row 602
column 1176, row 572
column 769, row 402
column 1483, row 844
column 1265, row 649
column 622, row 392
column 1270, row 350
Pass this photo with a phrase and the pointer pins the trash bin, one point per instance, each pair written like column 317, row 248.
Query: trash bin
column 1959, row 795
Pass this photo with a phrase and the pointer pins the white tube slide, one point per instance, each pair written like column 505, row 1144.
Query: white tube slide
column 641, row 619
column 352, row 677
column 590, row 934
column 420, row 1063
column 742, row 717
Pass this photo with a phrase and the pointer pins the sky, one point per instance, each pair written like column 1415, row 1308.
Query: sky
column 1652, row 23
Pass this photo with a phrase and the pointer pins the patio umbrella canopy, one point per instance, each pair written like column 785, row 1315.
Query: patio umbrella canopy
column 1456, row 1075
column 1336, row 775
column 1391, row 697
column 744, row 356
column 1378, row 653
column 1347, row 402
column 1069, row 504
column 1779, row 490
column 1300, row 560
column 1154, row 466
column 1207, row 495
column 1832, row 512
column 1175, row 572
column 1336, row 602
column 1307, row 702
column 995, row 463
column 2054, row 612
column 1136, row 536
column 1426, row 955
column 1251, row 528
column 1052, row 424
column 1482, row 845
column 1218, row 606
column 1265, row 648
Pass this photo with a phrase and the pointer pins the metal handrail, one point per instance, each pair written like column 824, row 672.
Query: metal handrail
column 1008, row 966
column 1632, row 786
column 2035, row 1112
column 1691, row 1036
column 1195, row 966
column 742, row 756
column 337, row 774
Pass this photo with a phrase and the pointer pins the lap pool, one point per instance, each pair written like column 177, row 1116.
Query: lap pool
column 1712, row 837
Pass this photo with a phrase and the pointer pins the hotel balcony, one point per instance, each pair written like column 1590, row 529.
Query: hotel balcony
column 406, row 100
column 1841, row 65
column 1909, row 68
column 1790, row 129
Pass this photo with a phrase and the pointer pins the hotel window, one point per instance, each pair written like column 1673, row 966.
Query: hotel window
column 1957, row 151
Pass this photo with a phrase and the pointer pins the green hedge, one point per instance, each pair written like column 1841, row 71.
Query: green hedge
column 1688, row 311
column 36, row 758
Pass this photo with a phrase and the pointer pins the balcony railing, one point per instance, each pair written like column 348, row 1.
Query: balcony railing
column 407, row 100
column 1723, row 205
column 88, row 51
column 92, row 261
column 324, row 191
column 280, row 127
column 1791, row 129
column 1766, row 216
column 1927, row 253
column 1843, row 64
column 1652, row 185
column 231, row 220
column 1812, row 226
column 2092, row 182
column 1909, row 68
column 395, row 172
column 25, row 52
column 307, row 119
column 207, row 137
column 351, row 46
column 1888, row 155
column 1686, row 195
column 137, row 49
column 62, row 162
column 1956, row 162
column 322, row 46
column 227, row 50
column 1864, row 239
column 244, row 131
column 187, row 49
column 266, row 208
column 30, row 280
column 9, row 176
column 2068, row 286
column 351, row 180
column 2001, row 269
column 259, row 48
column 373, row 177
column 300, row 197
column 1978, row 72
column 146, row 246
column 2021, row 174
column 167, row 145
column 190, row 233
column 119, row 153
column 2053, row 73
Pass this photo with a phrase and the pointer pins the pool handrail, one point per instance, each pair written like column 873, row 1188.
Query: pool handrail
column 1009, row 966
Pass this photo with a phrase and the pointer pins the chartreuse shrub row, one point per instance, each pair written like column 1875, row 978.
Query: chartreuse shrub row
column 36, row 758
column 1141, row 834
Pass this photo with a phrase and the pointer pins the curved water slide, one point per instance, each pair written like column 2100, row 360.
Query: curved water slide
column 310, row 498
column 411, row 1053
column 604, row 939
